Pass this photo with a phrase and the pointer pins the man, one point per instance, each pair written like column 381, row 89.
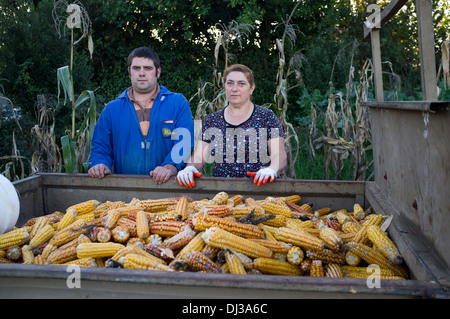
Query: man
column 147, row 129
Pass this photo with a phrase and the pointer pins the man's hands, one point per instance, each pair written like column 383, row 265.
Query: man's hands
column 99, row 171
column 263, row 175
column 186, row 176
column 161, row 174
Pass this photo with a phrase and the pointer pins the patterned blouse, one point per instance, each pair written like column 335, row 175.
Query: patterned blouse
column 236, row 149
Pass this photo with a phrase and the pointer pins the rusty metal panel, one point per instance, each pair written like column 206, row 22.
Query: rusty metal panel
column 412, row 167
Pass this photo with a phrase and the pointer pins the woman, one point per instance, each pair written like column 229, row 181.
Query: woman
column 243, row 139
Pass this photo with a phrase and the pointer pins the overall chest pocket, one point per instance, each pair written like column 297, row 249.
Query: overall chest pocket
column 166, row 128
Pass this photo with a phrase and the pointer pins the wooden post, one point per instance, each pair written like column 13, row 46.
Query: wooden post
column 427, row 50
column 376, row 60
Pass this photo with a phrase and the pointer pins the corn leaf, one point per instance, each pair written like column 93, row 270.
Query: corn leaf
column 63, row 75
column 70, row 159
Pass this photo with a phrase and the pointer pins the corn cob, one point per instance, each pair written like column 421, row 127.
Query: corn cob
column 317, row 268
column 83, row 262
column 164, row 216
column 120, row 234
column 365, row 272
column 210, row 251
column 351, row 259
column 39, row 223
column 84, row 207
column 272, row 208
column 305, row 265
column 160, row 252
column 179, row 240
column 249, row 201
column 88, row 217
column 181, row 208
column 103, row 235
column 70, row 232
column 201, row 222
column 322, row 211
column 199, row 262
column 358, row 212
column 219, row 199
column 292, row 199
column 47, row 250
column 300, row 212
column 39, row 260
column 268, row 233
column 234, row 263
column 331, row 239
column 326, row 255
column 236, row 200
column 217, row 211
column 372, row 256
column 142, row 226
column 334, row 224
column 350, row 227
column 384, row 244
column 342, row 216
column 299, row 238
column 307, row 207
column 125, row 210
column 333, row 271
column 97, row 250
column 274, row 245
column 68, row 218
column 17, row 236
column 241, row 211
column 294, row 223
column 110, row 219
column 66, row 252
column 167, row 228
column 157, row 205
column 135, row 249
column 128, row 224
column 27, row 255
column 223, row 239
column 197, row 243
column 295, row 255
column 14, row 253
column 42, row 236
column 277, row 221
column 276, row 267
column 136, row 261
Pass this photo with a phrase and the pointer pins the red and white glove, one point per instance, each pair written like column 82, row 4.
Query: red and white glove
column 263, row 175
column 185, row 177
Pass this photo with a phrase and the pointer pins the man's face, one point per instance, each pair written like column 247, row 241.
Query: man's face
column 143, row 74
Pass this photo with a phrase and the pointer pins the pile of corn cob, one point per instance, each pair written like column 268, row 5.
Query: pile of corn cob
column 277, row 236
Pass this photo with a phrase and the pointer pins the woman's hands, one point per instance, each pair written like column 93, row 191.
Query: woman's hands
column 186, row 176
column 263, row 175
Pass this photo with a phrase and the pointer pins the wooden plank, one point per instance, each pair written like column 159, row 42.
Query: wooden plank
column 376, row 60
column 427, row 50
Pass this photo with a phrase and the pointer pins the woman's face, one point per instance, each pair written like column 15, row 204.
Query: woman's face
column 238, row 89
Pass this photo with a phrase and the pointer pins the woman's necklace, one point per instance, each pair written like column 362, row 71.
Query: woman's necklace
column 245, row 112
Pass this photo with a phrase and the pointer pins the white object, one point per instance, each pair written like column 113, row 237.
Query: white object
column 186, row 176
column 9, row 205
column 265, row 173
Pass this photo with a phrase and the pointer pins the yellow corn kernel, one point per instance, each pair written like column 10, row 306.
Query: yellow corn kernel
column 199, row 262
column 120, row 234
column 98, row 250
column 167, row 228
column 197, row 243
column 39, row 223
column 322, row 211
column 42, row 236
column 351, row 259
column 39, row 260
column 327, row 255
column 384, row 244
column 307, row 207
column 110, row 219
column 350, row 227
column 179, row 240
column 68, row 218
column 274, row 245
column 27, row 255
column 277, row 221
column 16, row 236
column 142, row 226
column 220, row 238
column 295, row 223
column 236, row 200
column 137, row 261
column 49, row 248
column 219, row 199
column 203, row 221
column 373, row 256
column 276, row 267
column 358, row 212
column 103, row 235
column 157, row 205
column 299, row 238
column 84, row 207
column 272, row 208
column 83, row 262
column 129, row 224
column 365, row 272
column 331, row 238
column 292, row 199
column 181, row 208
column 317, row 269
column 295, row 255
column 70, row 232
column 234, row 263
column 333, row 271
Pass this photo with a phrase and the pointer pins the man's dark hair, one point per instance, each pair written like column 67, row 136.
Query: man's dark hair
column 145, row 52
